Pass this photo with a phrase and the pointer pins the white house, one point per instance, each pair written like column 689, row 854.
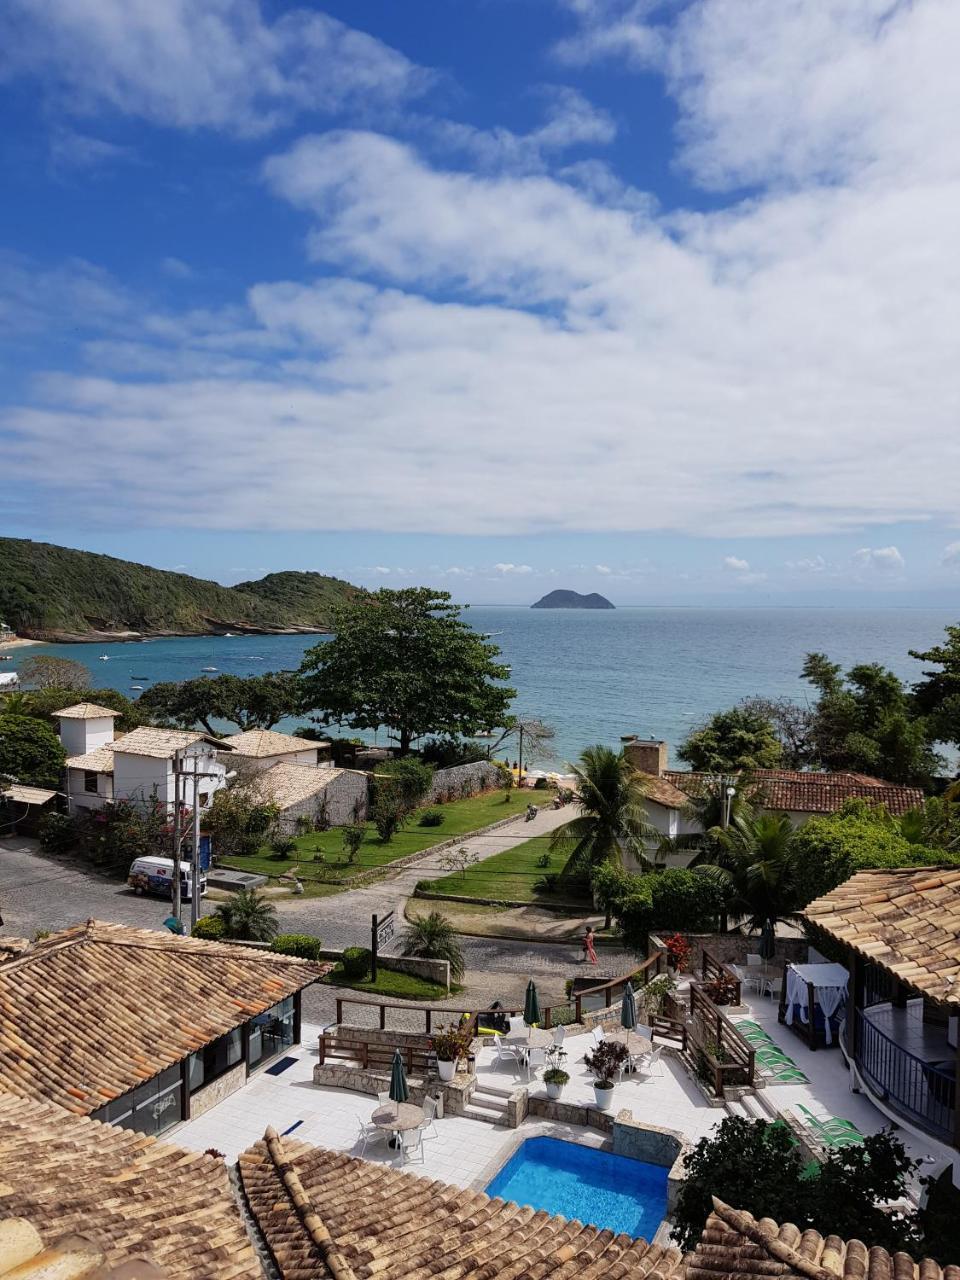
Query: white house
column 335, row 797
column 138, row 766
column 263, row 748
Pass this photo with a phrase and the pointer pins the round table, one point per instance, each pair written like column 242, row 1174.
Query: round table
column 636, row 1043
column 398, row 1118
column 536, row 1038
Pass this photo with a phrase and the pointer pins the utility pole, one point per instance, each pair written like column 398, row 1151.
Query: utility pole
column 195, row 855
column 177, row 905
column 520, row 761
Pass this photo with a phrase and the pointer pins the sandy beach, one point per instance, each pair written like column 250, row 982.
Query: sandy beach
column 16, row 643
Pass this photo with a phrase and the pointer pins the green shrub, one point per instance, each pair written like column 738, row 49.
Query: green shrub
column 561, row 1015
column 430, row 818
column 388, row 813
column 548, row 883
column 356, row 962
column 543, row 860
column 283, row 846
column 303, row 945
column 208, row 927
column 409, row 780
column 304, row 825
column 57, row 833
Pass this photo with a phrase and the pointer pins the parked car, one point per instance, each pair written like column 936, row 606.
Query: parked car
column 155, row 875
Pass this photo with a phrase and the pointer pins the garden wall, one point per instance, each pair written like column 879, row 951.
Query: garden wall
column 462, row 779
column 344, row 799
column 732, row 948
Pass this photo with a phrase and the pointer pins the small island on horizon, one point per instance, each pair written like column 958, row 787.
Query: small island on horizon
column 572, row 600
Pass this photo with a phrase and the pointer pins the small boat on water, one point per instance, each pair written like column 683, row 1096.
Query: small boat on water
column 137, row 686
column 104, row 657
column 208, row 668
column 140, row 677
column 227, row 633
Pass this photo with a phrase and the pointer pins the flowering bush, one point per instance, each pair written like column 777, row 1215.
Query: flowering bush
column 450, row 1044
column 722, row 990
column 678, row 951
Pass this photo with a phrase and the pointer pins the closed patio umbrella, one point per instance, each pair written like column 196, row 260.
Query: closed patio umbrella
column 628, row 1008
column 768, row 940
column 398, row 1080
column 531, row 1006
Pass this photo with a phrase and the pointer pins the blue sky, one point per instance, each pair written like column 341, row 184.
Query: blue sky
column 657, row 299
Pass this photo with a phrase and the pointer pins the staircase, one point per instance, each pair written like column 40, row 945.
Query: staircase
column 488, row 1103
column 752, row 1106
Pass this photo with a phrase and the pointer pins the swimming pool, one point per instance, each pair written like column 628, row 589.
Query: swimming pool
column 580, row 1182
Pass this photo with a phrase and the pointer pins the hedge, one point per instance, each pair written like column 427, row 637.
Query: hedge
column 209, row 927
column 303, row 945
column 356, row 962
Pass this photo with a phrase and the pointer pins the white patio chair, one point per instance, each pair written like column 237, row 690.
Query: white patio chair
column 383, row 1099
column 368, row 1133
column 652, row 1066
column 597, row 1035
column 517, row 1026
column 429, row 1126
column 508, row 1053
column 558, row 1035
column 752, row 975
column 646, row 1032
column 536, row 1058
column 411, row 1146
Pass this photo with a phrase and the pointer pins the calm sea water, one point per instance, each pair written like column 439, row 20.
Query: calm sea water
column 592, row 675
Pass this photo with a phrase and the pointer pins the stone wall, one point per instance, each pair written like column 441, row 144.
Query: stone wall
column 341, row 1075
column 211, row 1094
column 648, row 1142
column 341, row 797
column 479, row 776
column 732, row 948
column 570, row 1113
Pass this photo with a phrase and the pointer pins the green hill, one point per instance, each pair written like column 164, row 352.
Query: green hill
column 55, row 593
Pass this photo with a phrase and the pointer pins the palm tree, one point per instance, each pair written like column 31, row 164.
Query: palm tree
column 433, row 937
column 754, row 865
column 248, row 917
column 14, row 704
column 612, row 820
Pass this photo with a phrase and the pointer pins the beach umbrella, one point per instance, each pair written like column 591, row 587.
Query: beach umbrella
column 768, row 940
column 531, row 1006
column 398, row 1080
column 628, row 1008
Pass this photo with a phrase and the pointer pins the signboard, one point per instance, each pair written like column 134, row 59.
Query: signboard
column 386, row 930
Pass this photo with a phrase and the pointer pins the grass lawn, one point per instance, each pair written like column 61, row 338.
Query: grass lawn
column 507, row 877
column 397, row 986
column 320, row 856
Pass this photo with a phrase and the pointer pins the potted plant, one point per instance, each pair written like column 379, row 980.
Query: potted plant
column 604, row 1064
column 450, row 1045
column 555, row 1078
column 678, row 953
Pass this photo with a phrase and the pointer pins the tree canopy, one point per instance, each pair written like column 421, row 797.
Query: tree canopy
column 741, row 738
column 251, row 702
column 408, row 661
column 45, row 672
column 42, row 703
column 30, row 751
column 937, row 695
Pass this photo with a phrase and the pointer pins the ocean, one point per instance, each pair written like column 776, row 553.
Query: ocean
column 593, row 675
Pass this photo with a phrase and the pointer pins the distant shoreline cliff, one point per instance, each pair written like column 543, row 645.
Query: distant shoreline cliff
column 572, row 600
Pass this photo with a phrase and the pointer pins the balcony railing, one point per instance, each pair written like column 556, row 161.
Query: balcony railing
column 923, row 1092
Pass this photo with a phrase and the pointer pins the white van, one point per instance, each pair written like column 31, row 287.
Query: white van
column 155, row 875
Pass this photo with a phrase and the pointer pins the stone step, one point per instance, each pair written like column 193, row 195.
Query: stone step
column 476, row 1111
column 493, row 1091
column 735, row 1107
column 753, row 1107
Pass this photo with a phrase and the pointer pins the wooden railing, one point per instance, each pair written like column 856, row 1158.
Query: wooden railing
column 719, row 1050
column 712, row 969
column 336, row 1048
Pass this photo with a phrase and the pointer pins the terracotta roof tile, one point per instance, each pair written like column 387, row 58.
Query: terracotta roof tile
column 288, row 784
column 327, row 1214
column 127, row 1194
column 87, row 1013
column 662, row 791
column 735, row 1246
column 161, row 744
column 798, row 791
column 257, row 743
column 85, row 711
column 99, row 760
column 907, row 920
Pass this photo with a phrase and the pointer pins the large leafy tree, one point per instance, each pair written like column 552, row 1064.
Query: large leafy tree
column 30, row 752
column 43, row 703
column 753, row 864
column 937, row 695
column 407, row 660
column 612, row 819
column 253, row 702
column 866, row 721
column 741, row 738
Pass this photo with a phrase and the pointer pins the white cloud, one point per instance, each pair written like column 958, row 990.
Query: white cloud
column 70, row 150
column 736, row 565
column 808, row 564
column 177, row 269
column 743, row 574
column 887, row 560
column 603, row 568
column 221, row 64
column 513, row 568
column 951, row 554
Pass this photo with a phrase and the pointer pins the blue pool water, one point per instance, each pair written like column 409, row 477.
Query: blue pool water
column 579, row 1182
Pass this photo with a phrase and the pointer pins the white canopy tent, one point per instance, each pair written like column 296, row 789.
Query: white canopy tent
column 829, row 983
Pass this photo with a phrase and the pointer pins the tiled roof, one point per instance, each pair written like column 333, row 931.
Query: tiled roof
column 28, row 795
column 257, row 743
column 907, row 920
column 127, row 1194
column 735, row 1246
column 288, row 784
column 796, row 791
column 162, row 744
column 85, row 711
column 662, row 791
column 327, row 1214
column 87, row 1013
column 99, row 760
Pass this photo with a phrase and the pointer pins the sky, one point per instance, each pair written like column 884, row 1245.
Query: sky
column 658, row 298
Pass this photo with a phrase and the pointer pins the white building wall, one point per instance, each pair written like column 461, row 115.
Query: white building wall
column 140, row 778
column 80, row 736
column 79, row 798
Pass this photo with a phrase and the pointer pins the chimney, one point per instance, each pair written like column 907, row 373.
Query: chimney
column 648, row 755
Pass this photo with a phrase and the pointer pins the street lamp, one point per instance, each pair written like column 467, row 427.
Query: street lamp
column 728, row 793
column 195, row 773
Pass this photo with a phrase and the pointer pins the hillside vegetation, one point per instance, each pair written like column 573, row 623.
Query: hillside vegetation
column 55, row 593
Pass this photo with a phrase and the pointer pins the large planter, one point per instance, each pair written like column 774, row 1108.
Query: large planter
column 554, row 1091
column 446, row 1070
column 604, row 1097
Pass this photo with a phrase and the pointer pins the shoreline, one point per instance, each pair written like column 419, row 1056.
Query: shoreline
column 139, row 637
column 17, row 642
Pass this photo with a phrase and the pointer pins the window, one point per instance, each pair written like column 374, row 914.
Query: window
column 90, row 780
column 215, row 1059
column 271, row 1032
column 151, row 1107
column 204, row 798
